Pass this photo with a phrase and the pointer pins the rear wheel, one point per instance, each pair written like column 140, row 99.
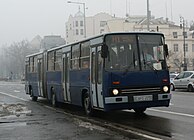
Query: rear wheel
column 53, row 99
column 34, row 98
column 87, row 105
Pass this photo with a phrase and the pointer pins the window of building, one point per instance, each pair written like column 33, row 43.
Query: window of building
column 51, row 61
column 81, row 31
column 77, row 32
column 101, row 30
column 70, row 27
column 81, row 23
column 187, row 60
column 185, row 34
column 186, row 48
column 176, row 49
column 175, row 35
column 192, row 47
column 76, row 23
column 75, row 56
column 103, row 23
column 85, row 55
column 193, row 62
column 193, row 35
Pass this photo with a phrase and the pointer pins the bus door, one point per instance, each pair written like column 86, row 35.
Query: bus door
column 96, row 77
column 40, row 77
column 65, row 78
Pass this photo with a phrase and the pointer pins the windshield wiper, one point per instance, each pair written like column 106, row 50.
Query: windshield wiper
column 150, row 66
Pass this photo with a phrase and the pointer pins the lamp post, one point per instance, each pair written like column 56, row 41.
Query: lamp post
column 182, row 26
column 84, row 14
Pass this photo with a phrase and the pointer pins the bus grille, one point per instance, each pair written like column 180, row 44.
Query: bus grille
column 141, row 90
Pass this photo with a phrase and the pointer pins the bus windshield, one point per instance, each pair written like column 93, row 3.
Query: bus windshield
column 135, row 52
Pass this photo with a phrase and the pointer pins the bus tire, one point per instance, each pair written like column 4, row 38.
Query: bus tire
column 139, row 110
column 87, row 105
column 34, row 98
column 53, row 99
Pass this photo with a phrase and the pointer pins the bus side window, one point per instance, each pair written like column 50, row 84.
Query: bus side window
column 85, row 64
column 51, row 61
column 85, row 55
column 100, row 60
column 31, row 64
column 93, row 67
column 75, row 56
column 58, row 60
column 35, row 63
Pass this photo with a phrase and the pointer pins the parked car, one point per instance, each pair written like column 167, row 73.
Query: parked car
column 173, row 75
column 185, row 80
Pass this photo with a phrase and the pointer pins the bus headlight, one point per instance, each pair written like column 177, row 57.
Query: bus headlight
column 115, row 91
column 165, row 89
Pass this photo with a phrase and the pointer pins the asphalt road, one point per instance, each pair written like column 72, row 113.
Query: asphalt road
column 175, row 122
column 22, row 119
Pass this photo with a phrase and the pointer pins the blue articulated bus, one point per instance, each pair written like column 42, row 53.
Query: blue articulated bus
column 112, row 71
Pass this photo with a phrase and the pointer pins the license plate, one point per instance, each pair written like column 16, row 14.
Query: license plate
column 142, row 98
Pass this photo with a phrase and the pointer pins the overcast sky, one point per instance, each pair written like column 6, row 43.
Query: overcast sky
column 24, row 19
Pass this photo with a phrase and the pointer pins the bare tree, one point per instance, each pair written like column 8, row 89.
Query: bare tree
column 14, row 58
column 176, row 60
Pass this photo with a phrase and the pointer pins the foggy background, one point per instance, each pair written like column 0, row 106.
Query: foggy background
column 24, row 19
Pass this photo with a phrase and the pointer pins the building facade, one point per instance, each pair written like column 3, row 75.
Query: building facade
column 102, row 23
column 173, row 35
column 94, row 25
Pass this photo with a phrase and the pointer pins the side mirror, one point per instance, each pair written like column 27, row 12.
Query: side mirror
column 104, row 51
column 166, row 50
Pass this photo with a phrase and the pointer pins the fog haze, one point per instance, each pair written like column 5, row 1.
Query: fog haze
column 24, row 19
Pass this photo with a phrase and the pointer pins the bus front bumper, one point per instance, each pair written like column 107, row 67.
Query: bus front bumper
column 135, row 101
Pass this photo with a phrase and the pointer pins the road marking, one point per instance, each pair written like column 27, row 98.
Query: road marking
column 13, row 96
column 173, row 113
column 16, row 91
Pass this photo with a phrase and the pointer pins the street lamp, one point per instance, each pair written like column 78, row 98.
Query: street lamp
column 182, row 26
column 84, row 14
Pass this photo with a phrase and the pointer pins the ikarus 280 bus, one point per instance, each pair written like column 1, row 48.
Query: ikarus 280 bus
column 112, row 71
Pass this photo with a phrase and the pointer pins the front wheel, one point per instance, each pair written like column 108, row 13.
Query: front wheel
column 190, row 88
column 139, row 110
column 87, row 105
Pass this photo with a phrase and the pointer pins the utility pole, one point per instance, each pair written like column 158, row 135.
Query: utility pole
column 182, row 26
column 148, row 16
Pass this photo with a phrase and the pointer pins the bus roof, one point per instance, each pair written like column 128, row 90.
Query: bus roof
column 113, row 33
column 34, row 54
column 97, row 36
